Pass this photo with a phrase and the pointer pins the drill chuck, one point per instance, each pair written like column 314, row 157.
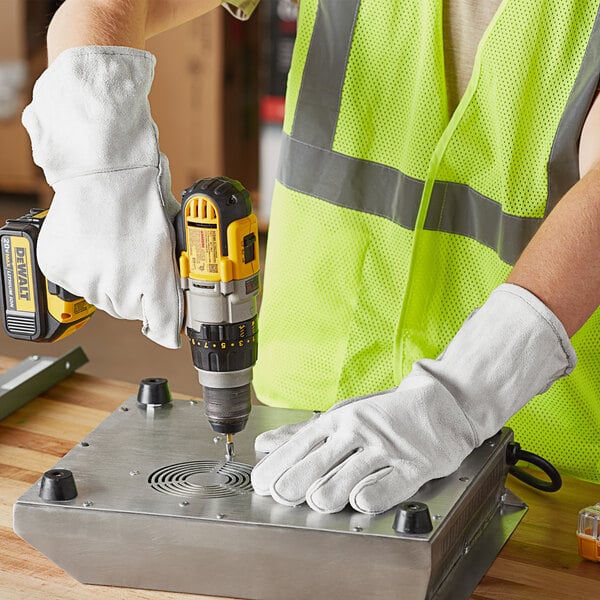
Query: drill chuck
column 227, row 409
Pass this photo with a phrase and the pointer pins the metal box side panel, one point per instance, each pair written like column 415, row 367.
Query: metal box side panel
column 468, row 519
column 225, row 559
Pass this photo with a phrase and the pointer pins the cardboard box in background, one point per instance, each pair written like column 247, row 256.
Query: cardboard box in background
column 12, row 40
column 205, row 99
column 17, row 170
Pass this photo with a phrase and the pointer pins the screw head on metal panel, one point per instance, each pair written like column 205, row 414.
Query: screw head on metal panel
column 58, row 485
column 412, row 517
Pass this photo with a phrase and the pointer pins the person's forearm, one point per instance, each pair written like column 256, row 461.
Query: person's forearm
column 561, row 265
column 97, row 22
column 118, row 22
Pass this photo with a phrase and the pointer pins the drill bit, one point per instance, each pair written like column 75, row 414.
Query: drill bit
column 229, row 447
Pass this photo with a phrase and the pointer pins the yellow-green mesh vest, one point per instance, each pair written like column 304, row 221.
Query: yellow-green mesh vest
column 393, row 220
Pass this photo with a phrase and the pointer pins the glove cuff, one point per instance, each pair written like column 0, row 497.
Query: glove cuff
column 90, row 113
column 555, row 329
column 508, row 351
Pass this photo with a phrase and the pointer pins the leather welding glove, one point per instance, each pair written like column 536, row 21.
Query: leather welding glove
column 378, row 450
column 108, row 235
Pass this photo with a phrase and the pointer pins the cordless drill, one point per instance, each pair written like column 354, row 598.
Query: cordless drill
column 218, row 254
column 219, row 266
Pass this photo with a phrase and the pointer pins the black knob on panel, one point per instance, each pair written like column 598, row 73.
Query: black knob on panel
column 412, row 517
column 154, row 391
column 58, row 484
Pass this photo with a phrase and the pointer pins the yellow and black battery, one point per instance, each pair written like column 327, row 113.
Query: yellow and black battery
column 34, row 308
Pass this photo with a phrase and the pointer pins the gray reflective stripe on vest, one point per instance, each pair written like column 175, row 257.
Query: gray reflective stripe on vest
column 563, row 165
column 457, row 208
column 324, row 71
column 350, row 182
column 309, row 165
column 380, row 190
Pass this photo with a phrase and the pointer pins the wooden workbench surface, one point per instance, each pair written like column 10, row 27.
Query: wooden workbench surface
column 540, row 561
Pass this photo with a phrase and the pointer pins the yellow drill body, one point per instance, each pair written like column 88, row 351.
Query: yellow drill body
column 219, row 266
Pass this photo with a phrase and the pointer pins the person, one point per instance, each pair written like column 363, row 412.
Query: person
column 434, row 238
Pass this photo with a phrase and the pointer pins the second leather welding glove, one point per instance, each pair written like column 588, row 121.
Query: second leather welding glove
column 108, row 235
column 378, row 450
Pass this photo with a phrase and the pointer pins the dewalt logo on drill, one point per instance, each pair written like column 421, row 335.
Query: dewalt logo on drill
column 21, row 260
column 19, row 279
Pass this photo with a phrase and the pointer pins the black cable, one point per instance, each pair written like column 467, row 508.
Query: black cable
column 515, row 454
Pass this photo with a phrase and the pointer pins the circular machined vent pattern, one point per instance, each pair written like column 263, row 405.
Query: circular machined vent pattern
column 202, row 479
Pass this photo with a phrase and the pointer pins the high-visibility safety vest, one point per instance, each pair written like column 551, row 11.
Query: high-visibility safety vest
column 392, row 219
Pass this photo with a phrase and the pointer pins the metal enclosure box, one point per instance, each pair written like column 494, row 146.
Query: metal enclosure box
column 158, row 508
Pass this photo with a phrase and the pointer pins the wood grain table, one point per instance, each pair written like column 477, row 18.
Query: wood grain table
column 539, row 562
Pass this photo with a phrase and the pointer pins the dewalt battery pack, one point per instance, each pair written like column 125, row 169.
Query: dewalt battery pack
column 33, row 308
